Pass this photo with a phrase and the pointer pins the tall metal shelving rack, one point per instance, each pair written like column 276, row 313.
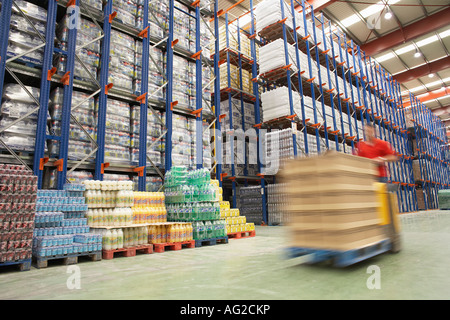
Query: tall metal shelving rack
column 106, row 20
column 371, row 96
column 230, row 56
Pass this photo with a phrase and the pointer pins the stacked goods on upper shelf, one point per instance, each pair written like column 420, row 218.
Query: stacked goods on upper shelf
column 182, row 80
column 193, row 196
column 80, row 144
column 276, row 103
column 156, row 72
column 109, row 203
column 122, row 65
column 236, row 107
column 234, row 221
column 126, row 12
column 117, row 131
column 61, row 227
column 157, row 17
column 17, row 212
column 333, row 202
column 22, row 37
column 235, row 78
column 233, row 43
column 250, row 203
column 88, row 50
column 155, row 142
column 16, row 103
column 269, row 12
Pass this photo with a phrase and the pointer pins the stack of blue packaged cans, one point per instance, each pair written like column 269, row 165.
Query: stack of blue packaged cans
column 60, row 224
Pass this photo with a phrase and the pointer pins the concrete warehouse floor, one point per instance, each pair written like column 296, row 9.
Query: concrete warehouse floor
column 253, row 268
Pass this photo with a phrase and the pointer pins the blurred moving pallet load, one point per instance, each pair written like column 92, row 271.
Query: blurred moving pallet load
column 333, row 202
column 444, row 199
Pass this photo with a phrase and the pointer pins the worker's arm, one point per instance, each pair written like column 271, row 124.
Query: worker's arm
column 389, row 154
column 387, row 158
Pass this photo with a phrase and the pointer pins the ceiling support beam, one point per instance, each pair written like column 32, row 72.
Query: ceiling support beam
column 421, row 71
column 410, row 32
column 430, row 95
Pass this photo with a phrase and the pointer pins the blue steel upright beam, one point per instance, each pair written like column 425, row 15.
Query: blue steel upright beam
column 44, row 94
column 198, row 91
column 320, row 86
column 311, row 75
column 300, row 90
column 4, row 34
column 218, row 137
column 257, row 111
column 230, row 109
column 169, row 75
column 67, row 98
column 330, row 89
column 142, row 178
column 103, row 97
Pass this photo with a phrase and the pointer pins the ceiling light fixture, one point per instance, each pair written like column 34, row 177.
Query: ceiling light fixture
column 388, row 14
column 431, row 75
column 417, row 54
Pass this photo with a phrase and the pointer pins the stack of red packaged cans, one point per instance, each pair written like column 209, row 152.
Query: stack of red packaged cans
column 18, row 190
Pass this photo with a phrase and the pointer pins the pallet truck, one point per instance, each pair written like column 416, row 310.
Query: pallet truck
column 389, row 220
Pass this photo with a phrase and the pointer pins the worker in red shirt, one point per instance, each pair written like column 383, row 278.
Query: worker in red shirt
column 376, row 149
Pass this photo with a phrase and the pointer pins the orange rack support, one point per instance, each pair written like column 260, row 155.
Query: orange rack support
column 51, row 73
column 103, row 167
column 108, row 87
column 42, row 162
column 139, row 170
column 59, row 164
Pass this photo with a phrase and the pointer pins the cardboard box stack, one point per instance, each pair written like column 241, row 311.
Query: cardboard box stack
column 332, row 202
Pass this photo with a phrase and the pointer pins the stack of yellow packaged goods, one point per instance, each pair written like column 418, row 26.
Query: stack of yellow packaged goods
column 234, row 221
column 233, row 43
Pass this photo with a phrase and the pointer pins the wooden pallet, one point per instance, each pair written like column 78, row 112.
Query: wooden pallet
column 127, row 252
column 340, row 258
column 66, row 259
column 210, row 242
column 23, row 265
column 242, row 234
column 162, row 247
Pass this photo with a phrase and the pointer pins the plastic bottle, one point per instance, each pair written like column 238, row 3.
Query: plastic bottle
column 145, row 237
column 106, row 241
column 164, row 232
column 89, row 216
column 119, row 239
column 189, row 232
column 114, row 239
column 209, row 229
column 182, row 232
column 202, row 231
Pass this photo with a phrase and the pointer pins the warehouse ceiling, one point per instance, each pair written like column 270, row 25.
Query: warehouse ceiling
column 413, row 43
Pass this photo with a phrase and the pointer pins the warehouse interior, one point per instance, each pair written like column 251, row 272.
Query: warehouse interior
column 213, row 150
